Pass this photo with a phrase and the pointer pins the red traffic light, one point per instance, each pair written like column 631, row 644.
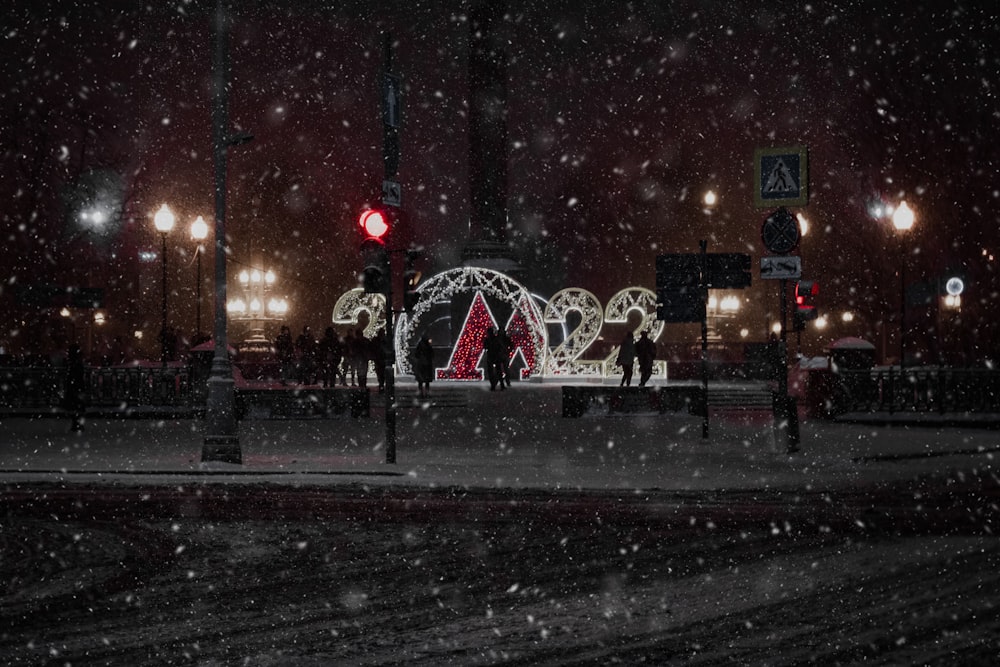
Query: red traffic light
column 374, row 223
column 805, row 289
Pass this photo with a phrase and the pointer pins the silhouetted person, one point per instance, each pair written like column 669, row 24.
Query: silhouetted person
column 493, row 347
column 362, row 354
column 330, row 355
column 377, row 354
column 305, row 345
column 423, row 365
column 626, row 358
column 505, row 344
column 645, row 352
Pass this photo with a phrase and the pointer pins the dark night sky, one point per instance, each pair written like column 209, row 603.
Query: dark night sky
column 621, row 115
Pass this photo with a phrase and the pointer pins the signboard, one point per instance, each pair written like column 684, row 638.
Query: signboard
column 780, row 232
column 390, row 100
column 57, row 296
column 392, row 193
column 679, row 296
column 780, row 176
column 681, row 288
column 786, row 267
column 727, row 270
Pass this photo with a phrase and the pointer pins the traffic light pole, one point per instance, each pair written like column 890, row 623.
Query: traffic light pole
column 703, row 286
column 390, row 374
column 786, row 416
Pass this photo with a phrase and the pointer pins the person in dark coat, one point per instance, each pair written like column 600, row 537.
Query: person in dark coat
column 305, row 345
column 377, row 354
column 493, row 347
column 330, row 355
column 362, row 355
column 626, row 358
column 73, row 396
column 423, row 365
column 505, row 349
column 645, row 351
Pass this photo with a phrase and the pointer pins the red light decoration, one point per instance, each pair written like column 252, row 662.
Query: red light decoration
column 467, row 352
column 519, row 332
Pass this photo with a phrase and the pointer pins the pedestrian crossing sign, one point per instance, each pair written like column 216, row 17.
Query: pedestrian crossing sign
column 780, row 176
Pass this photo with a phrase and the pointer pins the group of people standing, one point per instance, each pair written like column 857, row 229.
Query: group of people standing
column 307, row 360
column 643, row 350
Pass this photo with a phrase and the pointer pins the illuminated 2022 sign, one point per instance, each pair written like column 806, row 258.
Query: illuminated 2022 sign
column 526, row 327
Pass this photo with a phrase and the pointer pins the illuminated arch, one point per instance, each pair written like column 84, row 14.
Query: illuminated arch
column 443, row 287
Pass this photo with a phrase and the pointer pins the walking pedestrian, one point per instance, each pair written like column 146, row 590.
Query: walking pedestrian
column 626, row 358
column 330, row 354
column 362, row 355
column 505, row 345
column 377, row 354
column 423, row 365
column 305, row 346
column 645, row 351
column 492, row 346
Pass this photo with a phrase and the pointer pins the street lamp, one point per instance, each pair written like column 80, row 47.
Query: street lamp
column 255, row 306
column 164, row 222
column 199, row 231
column 902, row 219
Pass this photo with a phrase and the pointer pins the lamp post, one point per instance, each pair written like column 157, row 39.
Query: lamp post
column 255, row 306
column 164, row 222
column 902, row 220
column 199, row 231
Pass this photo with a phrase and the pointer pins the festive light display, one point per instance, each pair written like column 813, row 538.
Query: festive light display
column 468, row 350
column 351, row 304
column 642, row 301
column 565, row 358
column 526, row 326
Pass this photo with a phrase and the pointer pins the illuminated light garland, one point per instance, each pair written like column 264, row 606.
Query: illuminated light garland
column 356, row 301
column 643, row 301
column 519, row 332
column 465, row 356
column 565, row 358
column 526, row 326
column 488, row 285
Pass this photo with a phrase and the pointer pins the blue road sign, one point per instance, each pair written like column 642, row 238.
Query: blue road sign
column 781, row 176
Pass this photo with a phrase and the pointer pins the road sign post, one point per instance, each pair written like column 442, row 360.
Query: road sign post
column 682, row 284
column 781, row 176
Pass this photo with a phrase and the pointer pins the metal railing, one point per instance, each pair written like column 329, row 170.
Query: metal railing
column 919, row 389
column 122, row 387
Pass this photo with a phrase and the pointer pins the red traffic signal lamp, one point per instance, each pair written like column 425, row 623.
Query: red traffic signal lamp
column 374, row 224
column 376, row 275
column 805, row 308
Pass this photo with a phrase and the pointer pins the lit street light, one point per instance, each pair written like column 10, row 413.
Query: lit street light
column 164, row 222
column 199, row 231
column 902, row 219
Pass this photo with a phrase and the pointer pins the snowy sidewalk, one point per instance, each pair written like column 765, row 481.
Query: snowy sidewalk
column 512, row 439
